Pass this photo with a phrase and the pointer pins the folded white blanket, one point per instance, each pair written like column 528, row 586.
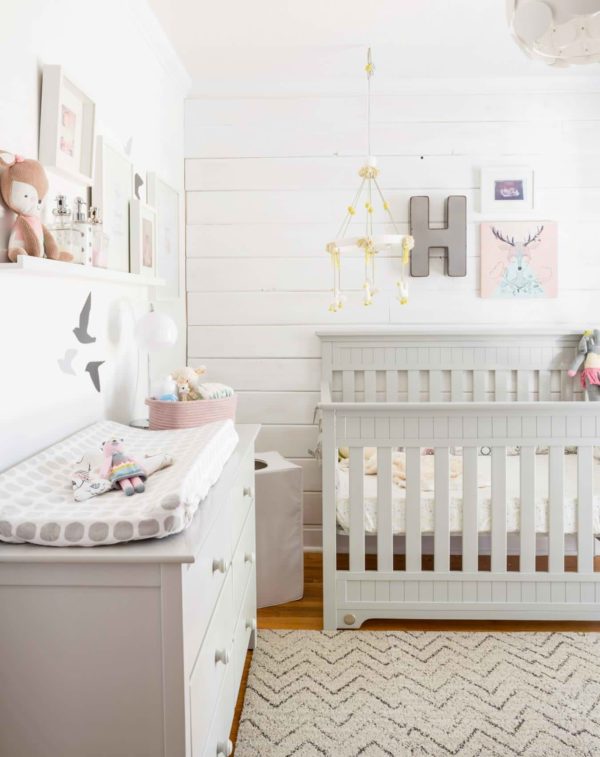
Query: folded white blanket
column 210, row 390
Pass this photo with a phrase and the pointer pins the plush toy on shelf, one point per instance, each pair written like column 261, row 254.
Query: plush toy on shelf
column 122, row 469
column 588, row 359
column 186, row 381
column 23, row 184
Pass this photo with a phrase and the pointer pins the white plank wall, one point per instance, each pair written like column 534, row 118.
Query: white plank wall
column 268, row 180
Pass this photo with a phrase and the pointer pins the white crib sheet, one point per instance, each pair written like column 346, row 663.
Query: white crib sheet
column 36, row 497
column 484, row 499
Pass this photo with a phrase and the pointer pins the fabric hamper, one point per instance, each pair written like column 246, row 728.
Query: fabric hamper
column 279, row 530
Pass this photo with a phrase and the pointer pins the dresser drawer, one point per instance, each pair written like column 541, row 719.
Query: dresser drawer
column 212, row 666
column 246, row 624
column 218, row 744
column 243, row 562
column 203, row 580
column 242, row 495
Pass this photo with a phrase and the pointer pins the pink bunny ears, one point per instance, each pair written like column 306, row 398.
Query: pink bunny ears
column 10, row 159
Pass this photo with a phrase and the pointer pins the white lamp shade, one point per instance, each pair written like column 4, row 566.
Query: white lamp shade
column 155, row 331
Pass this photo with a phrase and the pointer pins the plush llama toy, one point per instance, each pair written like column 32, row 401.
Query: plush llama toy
column 23, row 185
column 122, row 469
column 588, row 358
column 186, row 380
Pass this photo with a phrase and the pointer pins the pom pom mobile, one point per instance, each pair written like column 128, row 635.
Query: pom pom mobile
column 368, row 192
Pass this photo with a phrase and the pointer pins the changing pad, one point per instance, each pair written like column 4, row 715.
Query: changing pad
column 484, row 511
column 36, row 497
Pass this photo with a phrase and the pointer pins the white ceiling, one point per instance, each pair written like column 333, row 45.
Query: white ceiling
column 239, row 47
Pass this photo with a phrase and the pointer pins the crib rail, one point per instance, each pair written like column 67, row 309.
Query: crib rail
column 420, row 366
column 355, row 594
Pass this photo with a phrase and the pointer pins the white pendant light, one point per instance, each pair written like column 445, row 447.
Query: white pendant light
column 368, row 196
column 559, row 32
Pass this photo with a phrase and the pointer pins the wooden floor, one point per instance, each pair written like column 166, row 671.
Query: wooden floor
column 307, row 614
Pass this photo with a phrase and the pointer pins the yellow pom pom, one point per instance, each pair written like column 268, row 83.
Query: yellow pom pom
column 351, row 210
column 386, row 205
column 404, row 300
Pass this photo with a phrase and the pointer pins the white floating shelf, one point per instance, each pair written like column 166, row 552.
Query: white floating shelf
column 57, row 268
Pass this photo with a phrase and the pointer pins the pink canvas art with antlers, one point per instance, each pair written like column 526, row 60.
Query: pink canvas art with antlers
column 519, row 259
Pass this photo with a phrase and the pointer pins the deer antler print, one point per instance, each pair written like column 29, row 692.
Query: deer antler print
column 534, row 238
column 502, row 238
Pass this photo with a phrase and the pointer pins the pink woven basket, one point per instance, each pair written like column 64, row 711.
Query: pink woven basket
column 165, row 415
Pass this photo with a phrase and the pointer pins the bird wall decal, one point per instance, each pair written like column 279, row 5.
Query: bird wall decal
column 81, row 331
column 92, row 369
column 66, row 363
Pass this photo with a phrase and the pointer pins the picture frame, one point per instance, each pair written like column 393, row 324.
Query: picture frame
column 519, row 259
column 142, row 225
column 67, row 127
column 111, row 194
column 165, row 200
column 506, row 190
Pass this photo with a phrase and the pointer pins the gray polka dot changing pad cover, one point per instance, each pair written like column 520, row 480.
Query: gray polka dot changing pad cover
column 36, row 496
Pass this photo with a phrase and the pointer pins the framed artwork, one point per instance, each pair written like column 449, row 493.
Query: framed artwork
column 507, row 189
column 165, row 200
column 142, row 224
column 67, row 127
column 519, row 259
column 111, row 194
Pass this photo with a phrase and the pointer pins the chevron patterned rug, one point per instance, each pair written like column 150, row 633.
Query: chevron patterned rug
column 351, row 693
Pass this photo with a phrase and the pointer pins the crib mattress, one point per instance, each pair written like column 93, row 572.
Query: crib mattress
column 484, row 513
column 36, row 496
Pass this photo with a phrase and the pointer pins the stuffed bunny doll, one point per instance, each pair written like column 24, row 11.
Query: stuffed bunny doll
column 122, row 469
column 23, row 185
column 588, row 358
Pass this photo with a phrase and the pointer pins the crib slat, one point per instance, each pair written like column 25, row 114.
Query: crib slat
column 385, row 534
column 585, row 524
column 470, row 532
column 498, row 509
column 414, row 391
column 441, row 548
column 522, row 386
column 501, row 386
column 544, row 386
column 370, row 386
column 556, row 535
column 527, row 525
column 391, row 386
column 413, row 509
column 479, row 386
column 348, row 386
column 435, row 386
column 357, row 515
column 456, row 386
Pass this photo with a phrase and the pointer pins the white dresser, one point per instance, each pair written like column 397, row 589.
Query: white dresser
column 134, row 650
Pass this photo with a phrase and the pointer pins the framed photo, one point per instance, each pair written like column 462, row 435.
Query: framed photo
column 67, row 127
column 165, row 200
column 111, row 194
column 142, row 224
column 519, row 259
column 507, row 189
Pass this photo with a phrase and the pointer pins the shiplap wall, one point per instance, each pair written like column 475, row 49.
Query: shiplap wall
column 268, row 180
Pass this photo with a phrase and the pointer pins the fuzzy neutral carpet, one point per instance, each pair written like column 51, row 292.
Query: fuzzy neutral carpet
column 350, row 693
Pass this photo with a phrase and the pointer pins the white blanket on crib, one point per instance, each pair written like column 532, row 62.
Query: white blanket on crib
column 484, row 513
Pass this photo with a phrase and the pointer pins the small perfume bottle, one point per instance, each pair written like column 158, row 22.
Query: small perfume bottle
column 62, row 228
column 82, row 234
column 99, row 240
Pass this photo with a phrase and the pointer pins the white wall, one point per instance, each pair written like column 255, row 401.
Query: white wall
column 117, row 53
column 268, row 180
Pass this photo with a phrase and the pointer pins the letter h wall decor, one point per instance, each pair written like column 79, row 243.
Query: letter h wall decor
column 452, row 238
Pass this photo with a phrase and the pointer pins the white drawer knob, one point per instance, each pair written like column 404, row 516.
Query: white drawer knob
column 250, row 557
column 251, row 624
column 225, row 748
column 219, row 565
column 222, row 655
column 248, row 491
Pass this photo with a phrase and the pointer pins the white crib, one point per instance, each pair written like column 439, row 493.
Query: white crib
column 392, row 388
